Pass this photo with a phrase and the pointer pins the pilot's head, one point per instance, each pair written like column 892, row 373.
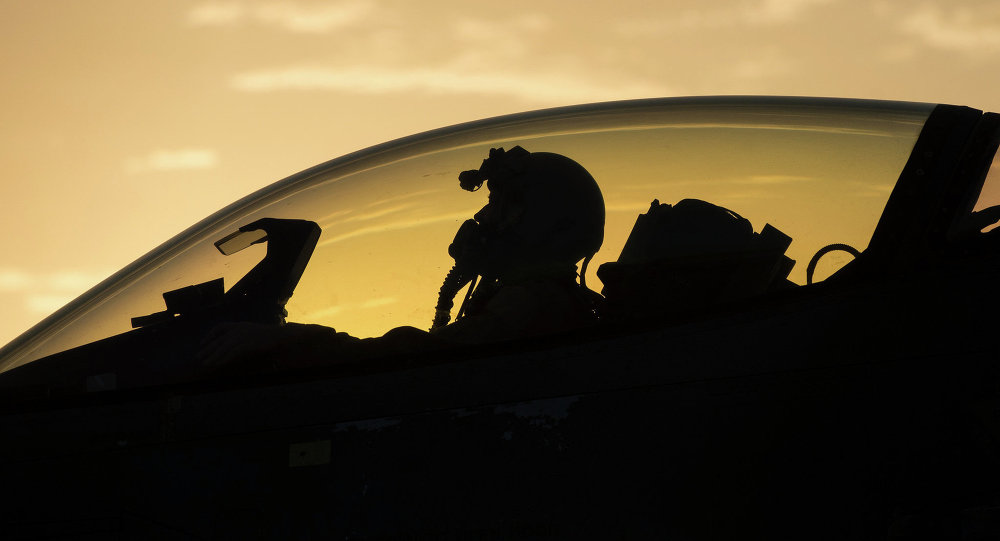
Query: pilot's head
column 545, row 213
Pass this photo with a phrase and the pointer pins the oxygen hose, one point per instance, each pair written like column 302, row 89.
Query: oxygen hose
column 583, row 270
column 453, row 283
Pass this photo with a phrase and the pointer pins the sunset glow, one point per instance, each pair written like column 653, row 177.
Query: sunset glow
column 125, row 122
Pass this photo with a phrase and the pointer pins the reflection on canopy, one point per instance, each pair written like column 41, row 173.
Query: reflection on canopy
column 819, row 179
column 821, row 171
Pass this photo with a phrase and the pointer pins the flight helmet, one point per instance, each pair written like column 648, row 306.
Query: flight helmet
column 545, row 211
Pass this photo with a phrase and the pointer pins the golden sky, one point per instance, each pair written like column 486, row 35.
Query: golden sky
column 124, row 122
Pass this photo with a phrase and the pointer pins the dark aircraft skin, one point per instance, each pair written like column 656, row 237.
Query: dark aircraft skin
column 864, row 406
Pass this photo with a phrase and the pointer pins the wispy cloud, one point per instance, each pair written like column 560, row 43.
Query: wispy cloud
column 472, row 29
column 359, row 215
column 396, row 226
column 780, row 11
column 491, row 39
column 324, row 313
column 751, row 194
column 321, row 18
column 865, row 189
column 548, row 87
column 961, row 29
column 759, row 13
column 217, row 14
column 289, row 16
column 628, row 206
column 173, row 160
column 73, row 281
column 43, row 304
column 330, row 311
column 897, row 52
column 687, row 183
column 772, row 179
column 379, row 302
column 765, row 65
column 15, row 280
column 409, row 195
column 377, row 213
column 44, row 293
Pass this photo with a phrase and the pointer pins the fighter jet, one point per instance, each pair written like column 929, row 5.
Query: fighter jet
column 789, row 332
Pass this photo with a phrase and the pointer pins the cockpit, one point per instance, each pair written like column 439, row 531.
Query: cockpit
column 708, row 200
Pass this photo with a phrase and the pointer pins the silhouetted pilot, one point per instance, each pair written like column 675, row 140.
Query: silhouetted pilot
column 545, row 213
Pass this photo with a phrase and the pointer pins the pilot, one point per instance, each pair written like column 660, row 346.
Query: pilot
column 545, row 214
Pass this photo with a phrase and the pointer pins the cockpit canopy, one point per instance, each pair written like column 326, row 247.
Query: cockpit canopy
column 819, row 170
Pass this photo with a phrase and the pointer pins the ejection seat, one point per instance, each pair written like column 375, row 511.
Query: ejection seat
column 689, row 257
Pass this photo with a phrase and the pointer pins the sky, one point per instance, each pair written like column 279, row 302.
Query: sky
column 125, row 122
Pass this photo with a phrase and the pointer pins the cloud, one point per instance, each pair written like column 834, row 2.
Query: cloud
column 408, row 195
column 897, row 52
column 377, row 213
column 13, row 280
column 400, row 225
column 865, row 189
column 46, row 304
column 760, row 13
column 216, row 14
column 73, row 281
column 750, row 194
column 764, row 66
column 173, row 160
column 493, row 41
column 315, row 19
column 323, row 314
column 494, row 32
column 548, row 87
column 780, row 11
column 329, row 311
column 772, row 179
column 481, row 29
column 634, row 206
column 963, row 29
column 365, row 216
column 44, row 293
column 381, row 301
column 289, row 16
